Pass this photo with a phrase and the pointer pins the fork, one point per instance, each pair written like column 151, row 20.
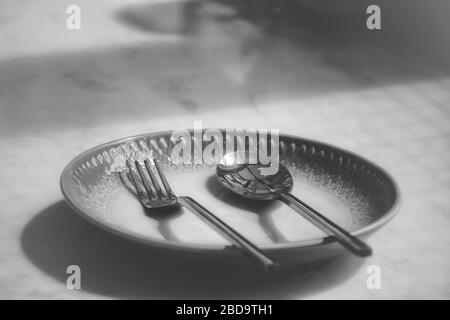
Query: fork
column 153, row 196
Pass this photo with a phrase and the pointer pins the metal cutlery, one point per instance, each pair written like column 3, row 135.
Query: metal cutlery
column 246, row 180
column 154, row 191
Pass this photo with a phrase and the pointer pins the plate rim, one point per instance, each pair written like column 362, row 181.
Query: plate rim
column 299, row 244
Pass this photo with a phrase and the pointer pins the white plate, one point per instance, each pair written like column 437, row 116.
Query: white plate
column 351, row 191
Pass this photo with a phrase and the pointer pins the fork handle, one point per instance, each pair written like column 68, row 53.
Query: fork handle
column 228, row 232
column 349, row 241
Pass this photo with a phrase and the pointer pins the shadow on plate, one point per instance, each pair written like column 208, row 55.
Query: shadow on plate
column 263, row 209
column 112, row 266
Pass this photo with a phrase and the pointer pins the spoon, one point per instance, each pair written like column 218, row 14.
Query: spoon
column 246, row 180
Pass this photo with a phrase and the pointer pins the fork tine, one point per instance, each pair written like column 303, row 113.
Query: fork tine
column 153, row 178
column 135, row 183
column 144, row 180
column 164, row 181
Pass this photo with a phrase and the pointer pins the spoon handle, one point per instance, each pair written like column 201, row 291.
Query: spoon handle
column 229, row 233
column 345, row 238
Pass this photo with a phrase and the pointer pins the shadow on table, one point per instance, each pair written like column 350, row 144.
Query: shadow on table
column 203, row 56
column 57, row 237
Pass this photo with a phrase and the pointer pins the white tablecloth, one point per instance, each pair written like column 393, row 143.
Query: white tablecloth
column 62, row 92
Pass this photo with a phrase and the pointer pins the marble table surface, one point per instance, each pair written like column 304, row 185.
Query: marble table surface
column 137, row 67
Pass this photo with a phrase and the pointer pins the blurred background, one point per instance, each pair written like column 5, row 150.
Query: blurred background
column 309, row 68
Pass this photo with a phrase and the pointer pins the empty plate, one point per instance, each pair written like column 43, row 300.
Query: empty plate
column 351, row 191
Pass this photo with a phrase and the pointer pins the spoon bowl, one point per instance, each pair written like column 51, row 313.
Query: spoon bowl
column 247, row 180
